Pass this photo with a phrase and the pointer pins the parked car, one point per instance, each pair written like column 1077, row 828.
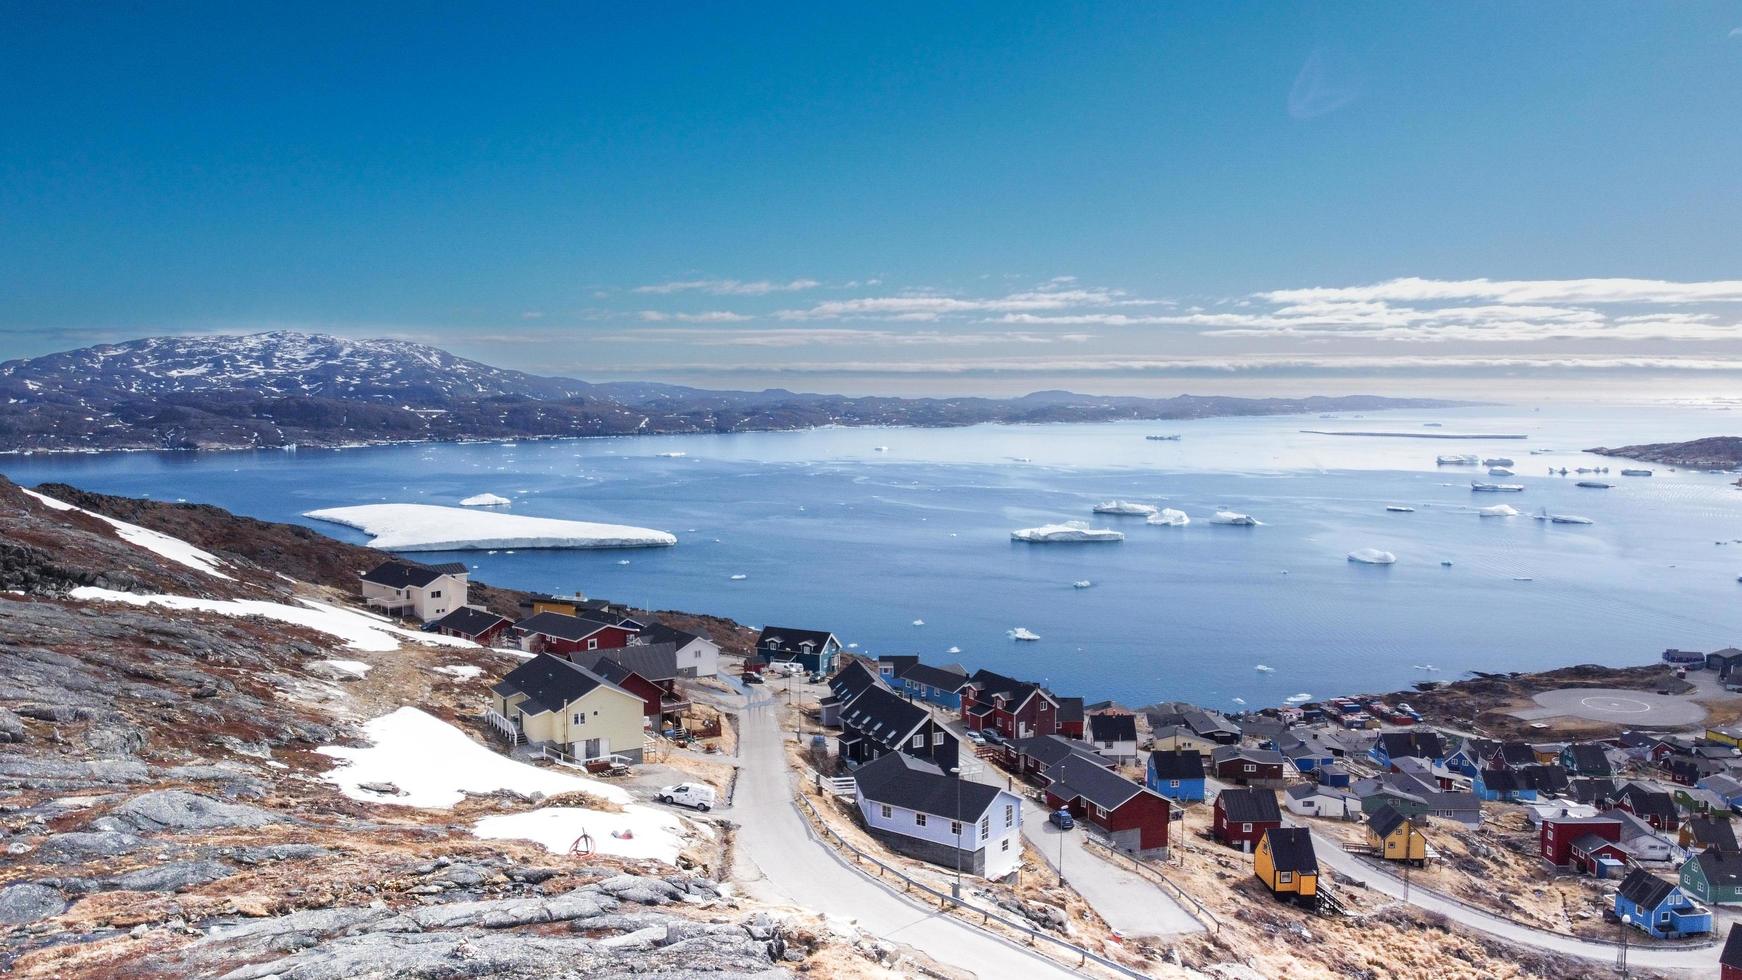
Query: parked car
column 977, row 738
column 1062, row 819
column 991, row 737
column 819, row 742
column 693, row 795
column 749, row 678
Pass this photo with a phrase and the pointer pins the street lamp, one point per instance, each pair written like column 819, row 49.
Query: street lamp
column 960, row 772
column 1621, row 959
column 1062, row 778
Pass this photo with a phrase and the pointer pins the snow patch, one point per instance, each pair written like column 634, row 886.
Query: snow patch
column 464, row 672
column 428, row 527
column 351, row 669
column 360, row 631
column 162, row 545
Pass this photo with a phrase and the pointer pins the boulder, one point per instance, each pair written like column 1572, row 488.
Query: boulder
column 28, row 902
column 78, row 846
column 174, row 809
column 172, row 877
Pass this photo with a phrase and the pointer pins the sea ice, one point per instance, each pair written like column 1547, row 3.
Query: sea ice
column 1124, row 508
column 954, row 650
column 919, row 622
column 1265, row 669
column 1372, row 556
column 1081, row 583
column 486, row 500
column 677, row 454
column 1069, row 531
column 1498, row 510
column 1168, row 517
column 427, row 527
column 1234, row 517
column 1023, row 633
column 739, row 578
column 1300, row 698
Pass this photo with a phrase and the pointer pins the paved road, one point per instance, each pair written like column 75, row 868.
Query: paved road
column 1130, row 903
column 1702, row 962
column 779, row 860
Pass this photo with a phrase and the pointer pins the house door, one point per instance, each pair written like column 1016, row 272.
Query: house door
column 592, row 748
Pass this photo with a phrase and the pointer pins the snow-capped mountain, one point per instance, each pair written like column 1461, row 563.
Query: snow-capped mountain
column 279, row 364
column 278, row 389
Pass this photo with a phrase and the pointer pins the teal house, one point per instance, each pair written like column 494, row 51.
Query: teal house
column 1714, row 876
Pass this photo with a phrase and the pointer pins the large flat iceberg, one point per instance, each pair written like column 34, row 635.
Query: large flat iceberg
column 1168, row 517
column 1069, row 531
column 1372, row 556
column 427, row 527
column 1124, row 508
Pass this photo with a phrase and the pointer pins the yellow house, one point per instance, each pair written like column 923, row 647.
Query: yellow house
column 1730, row 735
column 1178, row 738
column 1395, row 837
column 549, row 701
column 1285, row 862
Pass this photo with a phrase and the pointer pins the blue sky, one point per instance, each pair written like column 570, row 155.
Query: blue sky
column 895, row 197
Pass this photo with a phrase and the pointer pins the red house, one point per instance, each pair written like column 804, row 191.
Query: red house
column 1071, row 717
column 648, row 671
column 1133, row 817
column 549, row 632
column 1012, row 708
column 483, row 628
column 1730, row 961
column 1557, row 835
column 1243, row 815
column 1247, row 767
column 1655, row 807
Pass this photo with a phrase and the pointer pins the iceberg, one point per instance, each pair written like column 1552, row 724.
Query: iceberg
column 1069, row 531
column 739, row 578
column 1498, row 510
column 1635, row 472
column 1081, row 583
column 486, row 500
column 428, row 527
column 675, row 454
column 1399, row 509
column 1496, row 487
column 1497, row 461
column 1233, row 517
column 953, row 650
column 1455, row 460
column 919, row 622
column 1264, row 669
column 1124, row 508
column 1023, row 633
column 1168, row 517
column 1593, row 484
column 1300, row 698
column 1500, row 471
column 1544, row 515
column 1372, row 556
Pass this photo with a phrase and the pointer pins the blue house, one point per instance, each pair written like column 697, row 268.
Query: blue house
column 941, row 686
column 1660, row 907
column 1418, row 743
column 814, row 650
column 1179, row 776
column 1471, row 755
column 1307, row 757
column 1502, row 784
column 1724, row 786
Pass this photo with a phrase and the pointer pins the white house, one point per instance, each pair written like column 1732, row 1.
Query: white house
column 697, row 656
column 1114, row 737
column 427, row 592
column 1312, row 800
column 916, row 809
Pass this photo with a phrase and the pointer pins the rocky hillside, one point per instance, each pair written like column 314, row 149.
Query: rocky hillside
column 279, row 389
column 1715, row 453
column 166, row 811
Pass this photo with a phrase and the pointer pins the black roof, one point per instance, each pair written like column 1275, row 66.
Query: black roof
column 1732, row 955
column 914, row 784
column 1249, row 805
column 1183, row 764
column 468, row 621
column 1589, row 757
column 550, row 682
column 883, row 716
column 1231, row 753
column 1416, row 742
column 1048, row 750
column 561, row 626
column 654, row 661
column 1517, row 754
column 1546, row 778
column 1385, row 820
column 661, row 633
column 785, row 639
column 1502, row 780
column 1591, row 789
column 1721, row 867
column 1714, row 832
column 1291, row 849
column 1205, row 723
column 856, row 676
column 397, row 573
column 1645, row 889
column 1070, row 709
column 1017, row 692
column 1100, row 786
column 1649, row 802
column 1113, row 728
column 942, row 678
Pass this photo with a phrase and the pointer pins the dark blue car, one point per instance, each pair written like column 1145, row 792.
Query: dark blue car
column 1062, row 819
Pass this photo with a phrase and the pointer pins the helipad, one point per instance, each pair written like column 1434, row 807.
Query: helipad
column 1641, row 708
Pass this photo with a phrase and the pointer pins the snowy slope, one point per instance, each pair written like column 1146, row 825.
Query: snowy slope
column 359, row 630
column 174, row 549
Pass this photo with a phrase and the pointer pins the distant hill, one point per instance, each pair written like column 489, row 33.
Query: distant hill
column 275, row 389
column 1714, row 453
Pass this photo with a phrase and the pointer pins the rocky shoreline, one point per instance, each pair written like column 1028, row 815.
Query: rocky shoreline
column 1715, row 453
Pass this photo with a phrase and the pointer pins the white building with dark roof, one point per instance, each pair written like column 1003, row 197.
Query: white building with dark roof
column 424, row 592
column 915, row 808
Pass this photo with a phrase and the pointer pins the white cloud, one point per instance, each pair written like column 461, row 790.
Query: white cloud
column 710, row 316
column 730, row 287
column 809, row 337
column 1308, row 365
column 1413, row 290
column 930, row 306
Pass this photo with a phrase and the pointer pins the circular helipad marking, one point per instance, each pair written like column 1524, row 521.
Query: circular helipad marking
column 1620, row 706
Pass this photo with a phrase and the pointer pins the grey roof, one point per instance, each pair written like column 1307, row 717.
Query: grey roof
column 654, row 661
column 914, row 784
column 1181, row 764
column 942, row 678
column 469, row 622
column 398, row 573
column 550, row 683
column 560, row 626
column 1232, row 753
column 1291, row 849
column 883, row 716
column 1386, row 820
column 1713, row 832
column 1422, row 743
column 1100, row 786
column 786, row 640
column 1048, row 750
column 1113, row 728
column 661, row 633
column 1070, row 709
column 1249, row 805
column 1645, row 889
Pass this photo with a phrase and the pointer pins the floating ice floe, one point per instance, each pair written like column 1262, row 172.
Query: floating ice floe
column 1544, row 515
column 1067, row 532
column 1372, row 556
column 427, row 527
column 1265, row 669
column 1300, row 698
column 486, row 500
column 1081, row 583
column 1445, row 563
column 1498, row 510
column 1023, row 633
column 954, row 650
column 1234, row 518
column 879, row 449
column 1496, row 487
column 1497, row 461
column 1168, row 517
column 1500, row 471
column 1124, row 508
column 919, row 622
column 622, row 561
column 1239, row 700
column 1399, row 509
column 1635, row 472
column 676, row 454
column 739, row 577
column 1455, row 460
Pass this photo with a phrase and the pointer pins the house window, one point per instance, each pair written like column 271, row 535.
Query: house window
column 919, row 741
column 955, row 828
column 592, row 644
column 437, row 594
column 1006, row 845
column 1100, row 811
column 580, row 718
column 1249, row 767
column 887, row 813
column 1246, row 828
column 1174, row 783
column 1009, row 816
column 937, row 738
column 919, row 820
column 1284, row 877
column 985, row 827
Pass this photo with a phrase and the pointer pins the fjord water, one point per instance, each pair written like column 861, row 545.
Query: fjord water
column 831, row 531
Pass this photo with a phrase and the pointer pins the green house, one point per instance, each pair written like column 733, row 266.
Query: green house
column 1714, row 876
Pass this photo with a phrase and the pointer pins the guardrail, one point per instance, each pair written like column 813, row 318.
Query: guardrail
column 1198, row 910
column 1084, row 956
